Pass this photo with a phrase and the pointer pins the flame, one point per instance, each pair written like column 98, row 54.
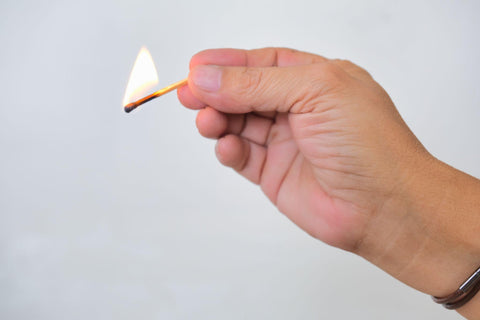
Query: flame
column 142, row 79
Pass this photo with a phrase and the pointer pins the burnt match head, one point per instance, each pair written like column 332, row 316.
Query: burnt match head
column 129, row 107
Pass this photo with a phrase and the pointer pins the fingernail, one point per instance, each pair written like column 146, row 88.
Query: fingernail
column 217, row 149
column 207, row 78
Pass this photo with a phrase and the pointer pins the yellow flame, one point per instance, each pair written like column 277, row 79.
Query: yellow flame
column 142, row 79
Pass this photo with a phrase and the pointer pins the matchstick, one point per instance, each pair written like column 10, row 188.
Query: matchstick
column 129, row 107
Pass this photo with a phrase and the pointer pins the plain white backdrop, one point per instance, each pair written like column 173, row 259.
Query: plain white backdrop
column 105, row 215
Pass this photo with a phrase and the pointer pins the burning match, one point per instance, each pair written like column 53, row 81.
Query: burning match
column 132, row 105
column 142, row 79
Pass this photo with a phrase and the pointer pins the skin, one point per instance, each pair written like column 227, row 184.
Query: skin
column 328, row 147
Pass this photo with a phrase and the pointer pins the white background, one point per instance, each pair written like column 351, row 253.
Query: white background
column 106, row 215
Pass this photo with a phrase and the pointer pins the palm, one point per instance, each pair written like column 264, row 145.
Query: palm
column 291, row 182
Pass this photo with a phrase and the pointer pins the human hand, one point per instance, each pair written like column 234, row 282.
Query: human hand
column 329, row 149
column 321, row 137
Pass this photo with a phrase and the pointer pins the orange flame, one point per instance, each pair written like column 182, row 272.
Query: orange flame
column 142, row 79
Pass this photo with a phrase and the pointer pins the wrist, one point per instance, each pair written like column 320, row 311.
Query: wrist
column 427, row 233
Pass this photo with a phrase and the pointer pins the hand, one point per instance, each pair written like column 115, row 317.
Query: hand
column 320, row 136
column 329, row 149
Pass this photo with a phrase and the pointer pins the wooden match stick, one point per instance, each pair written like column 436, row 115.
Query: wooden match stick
column 129, row 107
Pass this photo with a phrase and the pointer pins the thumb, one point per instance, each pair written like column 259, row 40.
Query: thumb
column 245, row 89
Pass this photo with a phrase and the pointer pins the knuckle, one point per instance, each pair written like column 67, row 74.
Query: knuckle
column 343, row 63
column 346, row 65
column 352, row 68
column 364, row 73
column 323, row 79
column 331, row 77
column 250, row 81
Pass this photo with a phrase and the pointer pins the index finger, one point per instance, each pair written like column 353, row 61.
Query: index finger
column 265, row 57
